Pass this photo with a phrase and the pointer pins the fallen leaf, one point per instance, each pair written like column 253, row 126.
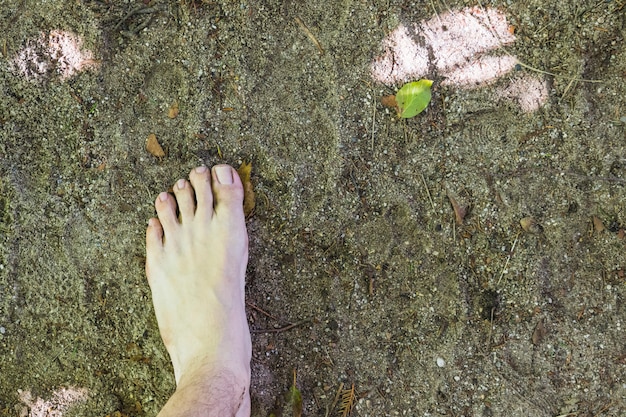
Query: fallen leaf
column 172, row 112
column 294, row 399
column 539, row 333
column 390, row 101
column 413, row 98
column 530, row 225
column 153, row 146
column 460, row 211
column 598, row 226
column 249, row 201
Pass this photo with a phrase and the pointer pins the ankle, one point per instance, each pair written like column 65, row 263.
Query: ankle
column 210, row 390
column 206, row 370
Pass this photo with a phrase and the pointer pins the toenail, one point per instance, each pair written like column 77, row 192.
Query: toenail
column 201, row 169
column 224, row 174
column 163, row 196
column 180, row 184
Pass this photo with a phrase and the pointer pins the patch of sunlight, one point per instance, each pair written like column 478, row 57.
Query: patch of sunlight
column 61, row 400
column 464, row 48
column 57, row 52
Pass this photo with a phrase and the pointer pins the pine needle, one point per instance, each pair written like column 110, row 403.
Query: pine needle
column 348, row 399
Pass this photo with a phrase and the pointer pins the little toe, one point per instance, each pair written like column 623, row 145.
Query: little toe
column 185, row 200
column 166, row 211
column 154, row 236
column 200, row 178
column 227, row 189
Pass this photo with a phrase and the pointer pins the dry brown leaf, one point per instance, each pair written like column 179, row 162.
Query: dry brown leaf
column 539, row 333
column 530, row 225
column 389, row 101
column 153, row 146
column 172, row 112
column 248, row 190
column 460, row 211
column 598, row 226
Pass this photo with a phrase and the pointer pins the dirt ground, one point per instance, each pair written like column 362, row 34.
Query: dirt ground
column 361, row 270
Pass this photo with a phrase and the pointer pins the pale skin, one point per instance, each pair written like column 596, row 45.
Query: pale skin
column 195, row 264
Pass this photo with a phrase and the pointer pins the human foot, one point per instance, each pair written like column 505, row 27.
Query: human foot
column 195, row 265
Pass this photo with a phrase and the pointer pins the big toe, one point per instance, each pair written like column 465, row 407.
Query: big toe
column 227, row 190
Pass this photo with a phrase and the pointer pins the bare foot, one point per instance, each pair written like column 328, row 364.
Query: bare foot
column 195, row 265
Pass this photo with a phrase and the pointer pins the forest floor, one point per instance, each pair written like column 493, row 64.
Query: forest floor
column 468, row 261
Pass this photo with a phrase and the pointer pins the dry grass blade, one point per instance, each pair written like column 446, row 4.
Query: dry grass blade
column 348, row 399
column 309, row 34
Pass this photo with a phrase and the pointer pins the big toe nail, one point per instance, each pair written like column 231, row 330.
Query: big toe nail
column 224, row 174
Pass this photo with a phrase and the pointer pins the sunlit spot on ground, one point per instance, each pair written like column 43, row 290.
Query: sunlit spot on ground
column 58, row 52
column 61, row 400
column 481, row 71
column 464, row 48
column 529, row 92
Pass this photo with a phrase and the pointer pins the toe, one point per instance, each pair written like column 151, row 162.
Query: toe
column 154, row 242
column 166, row 210
column 185, row 200
column 200, row 178
column 154, row 236
column 227, row 189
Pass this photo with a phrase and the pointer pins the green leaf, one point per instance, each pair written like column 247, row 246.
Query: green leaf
column 294, row 399
column 413, row 98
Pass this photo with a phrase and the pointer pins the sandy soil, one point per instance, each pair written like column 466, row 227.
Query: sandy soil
column 360, row 272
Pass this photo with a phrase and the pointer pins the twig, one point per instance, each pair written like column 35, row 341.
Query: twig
column 260, row 310
column 373, row 125
column 567, row 89
column 406, row 135
column 506, row 264
column 565, row 77
column 490, row 328
column 432, row 203
column 138, row 10
column 129, row 14
column 528, row 67
column 280, row 329
column 454, row 231
column 604, row 408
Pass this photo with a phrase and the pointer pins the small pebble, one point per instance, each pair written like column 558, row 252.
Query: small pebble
column 2, row 330
column 440, row 362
